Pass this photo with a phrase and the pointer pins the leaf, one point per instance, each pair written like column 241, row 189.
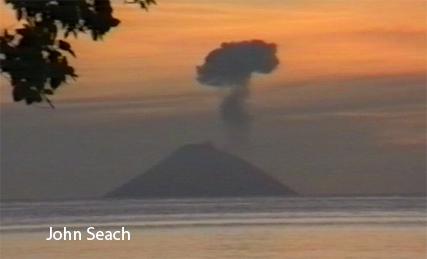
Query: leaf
column 94, row 35
column 72, row 53
column 29, row 100
column 66, row 46
column 7, row 36
column 19, row 14
column 22, row 31
column 55, row 82
column 17, row 94
column 53, row 55
column 115, row 22
column 48, row 91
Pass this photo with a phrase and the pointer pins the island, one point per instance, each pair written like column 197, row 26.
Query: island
column 201, row 170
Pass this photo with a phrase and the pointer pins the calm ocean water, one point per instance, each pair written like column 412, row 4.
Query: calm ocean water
column 280, row 224
column 36, row 216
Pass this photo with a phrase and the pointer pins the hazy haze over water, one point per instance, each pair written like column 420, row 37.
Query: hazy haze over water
column 323, row 228
column 344, row 113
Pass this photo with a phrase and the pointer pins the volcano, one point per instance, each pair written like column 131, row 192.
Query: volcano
column 201, row 170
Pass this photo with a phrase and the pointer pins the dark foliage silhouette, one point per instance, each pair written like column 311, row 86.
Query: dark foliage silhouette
column 34, row 58
column 231, row 67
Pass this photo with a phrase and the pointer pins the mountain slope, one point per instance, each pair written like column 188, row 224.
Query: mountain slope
column 200, row 170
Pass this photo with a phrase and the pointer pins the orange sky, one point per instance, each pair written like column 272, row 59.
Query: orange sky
column 155, row 53
column 343, row 113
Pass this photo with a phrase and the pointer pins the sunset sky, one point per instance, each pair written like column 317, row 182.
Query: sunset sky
column 344, row 112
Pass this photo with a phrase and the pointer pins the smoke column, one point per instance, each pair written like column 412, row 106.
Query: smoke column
column 230, row 67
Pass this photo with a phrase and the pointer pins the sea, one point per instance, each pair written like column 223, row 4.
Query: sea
column 225, row 228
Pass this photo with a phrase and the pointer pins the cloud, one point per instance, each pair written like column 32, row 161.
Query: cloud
column 231, row 66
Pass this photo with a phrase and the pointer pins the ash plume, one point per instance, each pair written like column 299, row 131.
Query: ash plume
column 230, row 67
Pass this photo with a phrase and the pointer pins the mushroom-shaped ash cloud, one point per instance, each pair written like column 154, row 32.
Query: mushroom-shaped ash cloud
column 230, row 67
